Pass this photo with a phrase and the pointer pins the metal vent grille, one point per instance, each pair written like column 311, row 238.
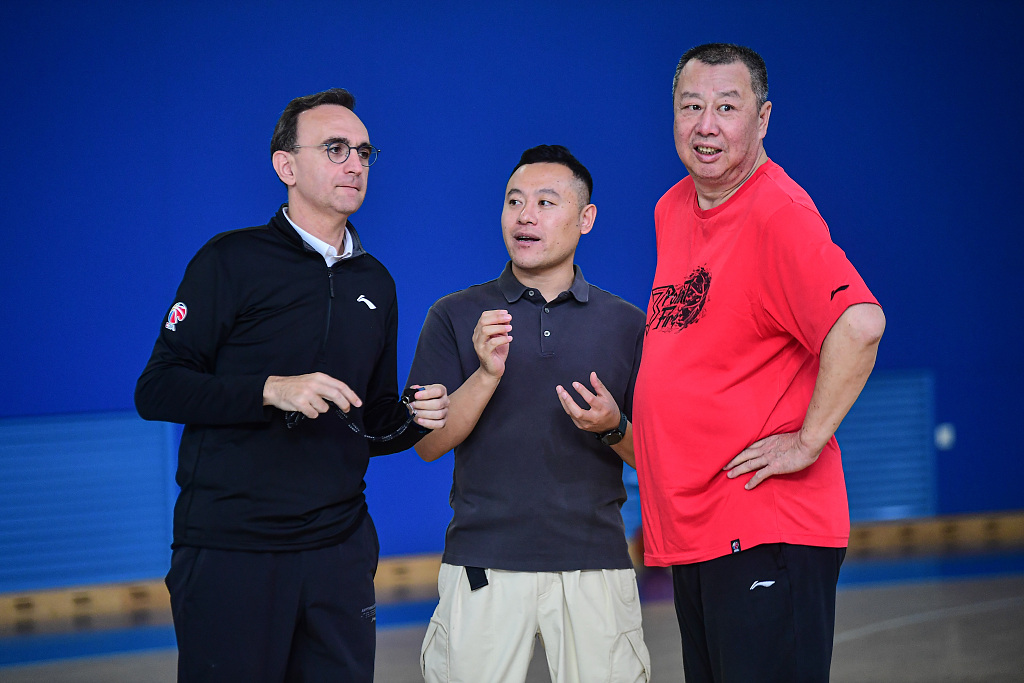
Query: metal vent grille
column 887, row 441
column 85, row 499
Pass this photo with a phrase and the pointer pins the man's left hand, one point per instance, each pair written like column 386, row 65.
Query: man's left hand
column 430, row 406
column 603, row 414
column 776, row 454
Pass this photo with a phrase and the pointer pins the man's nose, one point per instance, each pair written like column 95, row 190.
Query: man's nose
column 353, row 165
column 708, row 123
column 526, row 215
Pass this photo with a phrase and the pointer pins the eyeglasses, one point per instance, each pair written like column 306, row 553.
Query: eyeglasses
column 292, row 419
column 338, row 152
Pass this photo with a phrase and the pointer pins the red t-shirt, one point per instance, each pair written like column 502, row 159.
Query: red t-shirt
column 744, row 295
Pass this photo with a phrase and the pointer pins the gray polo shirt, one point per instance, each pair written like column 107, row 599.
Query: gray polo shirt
column 531, row 491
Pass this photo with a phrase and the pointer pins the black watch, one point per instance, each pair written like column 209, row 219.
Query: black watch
column 613, row 436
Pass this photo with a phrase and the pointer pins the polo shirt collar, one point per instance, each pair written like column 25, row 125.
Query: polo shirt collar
column 513, row 289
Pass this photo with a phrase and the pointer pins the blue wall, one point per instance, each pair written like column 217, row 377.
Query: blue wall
column 135, row 131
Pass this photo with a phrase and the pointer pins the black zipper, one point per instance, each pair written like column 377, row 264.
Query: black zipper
column 330, row 304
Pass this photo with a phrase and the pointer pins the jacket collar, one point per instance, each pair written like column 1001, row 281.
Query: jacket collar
column 280, row 223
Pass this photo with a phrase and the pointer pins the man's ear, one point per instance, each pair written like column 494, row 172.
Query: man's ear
column 283, row 163
column 587, row 217
column 763, row 116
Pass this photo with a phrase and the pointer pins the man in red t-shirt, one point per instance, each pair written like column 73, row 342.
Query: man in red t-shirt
column 760, row 336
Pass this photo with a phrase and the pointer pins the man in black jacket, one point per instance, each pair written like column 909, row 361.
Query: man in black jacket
column 279, row 356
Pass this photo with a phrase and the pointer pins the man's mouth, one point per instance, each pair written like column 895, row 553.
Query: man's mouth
column 526, row 238
column 701, row 149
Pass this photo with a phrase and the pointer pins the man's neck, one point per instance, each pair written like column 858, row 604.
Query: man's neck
column 330, row 229
column 709, row 199
column 549, row 283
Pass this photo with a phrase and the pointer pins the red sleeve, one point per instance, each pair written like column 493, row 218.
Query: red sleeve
column 806, row 281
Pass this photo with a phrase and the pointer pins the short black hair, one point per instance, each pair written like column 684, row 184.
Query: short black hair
column 557, row 154
column 714, row 54
column 286, row 130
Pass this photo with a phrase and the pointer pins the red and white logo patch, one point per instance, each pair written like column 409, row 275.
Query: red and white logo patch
column 177, row 314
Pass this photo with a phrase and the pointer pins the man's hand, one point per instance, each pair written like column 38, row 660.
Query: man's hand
column 847, row 357
column 308, row 394
column 430, row 406
column 603, row 414
column 776, row 454
column 490, row 341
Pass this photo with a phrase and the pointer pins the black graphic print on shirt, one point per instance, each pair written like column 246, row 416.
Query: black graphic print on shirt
column 675, row 307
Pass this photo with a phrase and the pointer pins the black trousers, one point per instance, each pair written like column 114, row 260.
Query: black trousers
column 250, row 617
column 762, row 615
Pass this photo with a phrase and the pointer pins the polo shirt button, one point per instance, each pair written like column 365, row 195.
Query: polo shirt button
column 530, row 292
column 547, row 310
column 547, row 333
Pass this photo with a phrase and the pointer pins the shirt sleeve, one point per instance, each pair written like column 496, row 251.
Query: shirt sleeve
column 384, row 412
column 437, row 352
column 806, row 282
column 627, row 406
column 180, row 382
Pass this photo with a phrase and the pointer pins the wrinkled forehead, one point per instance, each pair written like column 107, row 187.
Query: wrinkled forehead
column 705, row 79
column 331, row 122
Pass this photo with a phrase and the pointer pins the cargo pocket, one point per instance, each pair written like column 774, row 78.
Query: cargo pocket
column 630, row 660
column 434, row 653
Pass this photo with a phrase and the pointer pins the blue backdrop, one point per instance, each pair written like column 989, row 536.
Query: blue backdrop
column 136, row 131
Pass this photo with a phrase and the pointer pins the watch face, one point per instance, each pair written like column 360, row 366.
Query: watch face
column 612, row 437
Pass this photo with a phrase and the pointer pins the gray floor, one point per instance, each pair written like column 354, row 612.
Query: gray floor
column 962, row 631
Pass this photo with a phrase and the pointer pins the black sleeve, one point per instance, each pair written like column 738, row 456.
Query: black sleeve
column 179, row 384
column 437, row 359
column 637, row 353
column 383, row 410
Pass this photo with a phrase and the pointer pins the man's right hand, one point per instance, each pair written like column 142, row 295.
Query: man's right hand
column 491, row 339
column 308, row 394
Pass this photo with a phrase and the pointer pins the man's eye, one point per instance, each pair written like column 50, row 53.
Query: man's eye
column 726, row 107
column 363, row 152
column 337, row 149
column 691, row 107
column 513, row 202
column 546, row 202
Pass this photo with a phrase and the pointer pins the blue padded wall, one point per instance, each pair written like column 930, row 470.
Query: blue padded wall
column 171, row 107
column 887, row 440
column 86, row 499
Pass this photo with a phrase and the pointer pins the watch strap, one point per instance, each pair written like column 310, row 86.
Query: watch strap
column 613, row 436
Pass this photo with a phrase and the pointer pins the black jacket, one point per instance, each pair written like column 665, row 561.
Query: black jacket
column 260, row 302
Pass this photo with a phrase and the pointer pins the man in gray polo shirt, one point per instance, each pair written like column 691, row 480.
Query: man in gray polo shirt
column 540, row 430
